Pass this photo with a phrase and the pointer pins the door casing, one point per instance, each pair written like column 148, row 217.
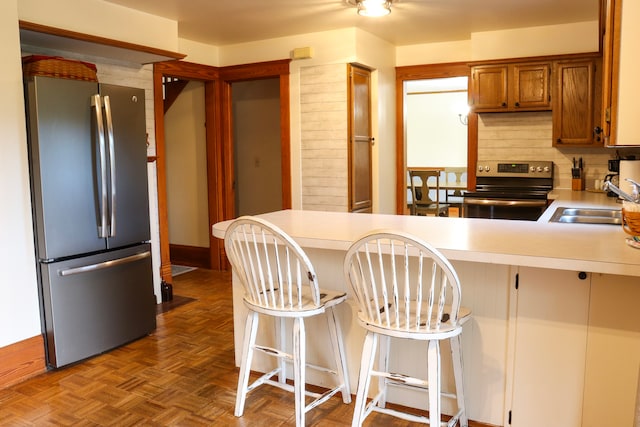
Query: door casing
column 219, row 141
column 420, row 72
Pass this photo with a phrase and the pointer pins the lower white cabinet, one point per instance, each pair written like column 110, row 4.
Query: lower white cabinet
column 551, row 330
column 576, row 349
column 613, row 352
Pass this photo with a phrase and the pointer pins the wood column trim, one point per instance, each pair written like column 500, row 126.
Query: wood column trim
column 163, row 218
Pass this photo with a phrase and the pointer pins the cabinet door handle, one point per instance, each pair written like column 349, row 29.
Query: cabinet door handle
column 596, row 133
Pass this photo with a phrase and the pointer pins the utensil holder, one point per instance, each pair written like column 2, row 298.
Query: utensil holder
column 577, row 184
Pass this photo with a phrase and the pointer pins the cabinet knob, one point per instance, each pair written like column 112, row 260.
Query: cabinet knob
column 559, row 140
column 517, row 104
column 596, row 133
column 504, row 104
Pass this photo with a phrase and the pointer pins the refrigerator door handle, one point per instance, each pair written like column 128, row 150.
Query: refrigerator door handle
column 97, row 105
column 106, row 264
column 112, row 163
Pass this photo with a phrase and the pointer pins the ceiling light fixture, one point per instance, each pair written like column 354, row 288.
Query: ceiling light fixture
column 373, row 8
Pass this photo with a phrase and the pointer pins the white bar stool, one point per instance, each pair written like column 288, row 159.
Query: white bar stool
column 405, row 289
column 279, row 281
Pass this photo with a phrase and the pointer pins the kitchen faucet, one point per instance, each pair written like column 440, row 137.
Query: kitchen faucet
column 634, row 197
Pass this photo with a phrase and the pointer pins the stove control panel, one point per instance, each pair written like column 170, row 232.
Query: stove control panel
column 522, row 169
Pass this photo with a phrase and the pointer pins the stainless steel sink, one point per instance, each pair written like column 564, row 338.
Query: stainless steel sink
column 587, row 216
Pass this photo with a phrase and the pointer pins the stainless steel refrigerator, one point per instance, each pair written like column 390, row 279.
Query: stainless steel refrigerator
column 87, row 149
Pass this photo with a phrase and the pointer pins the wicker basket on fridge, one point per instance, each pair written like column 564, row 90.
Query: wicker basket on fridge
column 55, row 66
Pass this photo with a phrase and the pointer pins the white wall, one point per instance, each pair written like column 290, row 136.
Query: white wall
column 199, row 53
column 434, row 134
column 580, row 37
column 433, row 53
column 100, row 18
column 19, row 313
column 521, row 42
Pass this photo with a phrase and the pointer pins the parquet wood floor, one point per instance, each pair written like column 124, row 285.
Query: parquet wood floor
column 181, row 375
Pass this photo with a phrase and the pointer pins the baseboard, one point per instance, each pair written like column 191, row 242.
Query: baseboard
column 21, row 361
column 192, row 256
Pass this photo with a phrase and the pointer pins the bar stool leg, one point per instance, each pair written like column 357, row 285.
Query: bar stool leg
column 250, row 332
column 433, row 375
column 281, row 341
column 383, row 366
column 456, row 357
column 364, row 381
column 335, row 332
column 299, row 363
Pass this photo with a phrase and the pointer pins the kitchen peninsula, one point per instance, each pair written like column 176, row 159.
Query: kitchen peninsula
column 555, row 333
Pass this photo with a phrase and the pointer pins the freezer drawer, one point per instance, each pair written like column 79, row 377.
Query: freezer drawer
column 93, row 304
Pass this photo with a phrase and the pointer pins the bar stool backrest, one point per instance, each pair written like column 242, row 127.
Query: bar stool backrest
column 402, row 283
column 274, row 270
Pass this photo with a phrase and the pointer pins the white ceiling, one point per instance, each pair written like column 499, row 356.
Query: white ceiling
column 223, row 22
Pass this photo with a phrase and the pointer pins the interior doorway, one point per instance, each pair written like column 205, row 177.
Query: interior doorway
column 185, row 72
column 404, row 77
column 186, row 173
column 258, row 152
column 220, row 143
column 253, row 87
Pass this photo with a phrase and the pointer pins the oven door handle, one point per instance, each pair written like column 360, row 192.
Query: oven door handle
column 502, row 202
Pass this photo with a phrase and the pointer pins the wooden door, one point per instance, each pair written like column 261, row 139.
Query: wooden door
column 360, row 139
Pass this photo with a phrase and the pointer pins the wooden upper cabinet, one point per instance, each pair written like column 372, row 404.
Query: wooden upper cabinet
column 489, row 88
column 531, row 86
column 510, row 87
column 577, row 103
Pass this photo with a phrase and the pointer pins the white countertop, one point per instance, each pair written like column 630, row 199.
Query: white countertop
column 578, row 247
